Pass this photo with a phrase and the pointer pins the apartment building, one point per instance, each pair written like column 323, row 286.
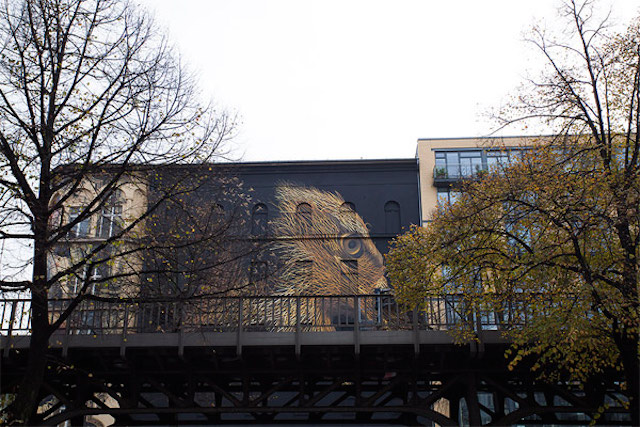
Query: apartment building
column 445, row 162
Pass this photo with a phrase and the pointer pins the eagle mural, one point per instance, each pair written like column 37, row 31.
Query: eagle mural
column 324, row 245
column 324, row 248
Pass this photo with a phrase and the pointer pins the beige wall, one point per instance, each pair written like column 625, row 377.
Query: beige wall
column 133, row 201
column 426, row 158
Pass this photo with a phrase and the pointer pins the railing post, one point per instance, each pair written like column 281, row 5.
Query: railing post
column 356, row 325
column 416, row 330
column 125, row 330
column 181, row 330
column 67, row 332
column 477, row 313
column 297, row 334
column 239, row 328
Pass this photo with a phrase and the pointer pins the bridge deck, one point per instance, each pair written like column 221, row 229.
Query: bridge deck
column 248, row 339
column 341, row 359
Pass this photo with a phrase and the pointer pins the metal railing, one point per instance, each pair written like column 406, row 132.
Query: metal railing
column 259, row 313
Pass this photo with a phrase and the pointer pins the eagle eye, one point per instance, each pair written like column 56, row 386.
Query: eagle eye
column 352, row 245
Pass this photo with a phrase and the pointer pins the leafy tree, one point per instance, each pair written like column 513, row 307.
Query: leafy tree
column 551, row 242
column 92, row 99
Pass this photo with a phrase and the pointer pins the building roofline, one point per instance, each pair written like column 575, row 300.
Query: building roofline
column 471, row 138
column 266, row 163
column 316, row 162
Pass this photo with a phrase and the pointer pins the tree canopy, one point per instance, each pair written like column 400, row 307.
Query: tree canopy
column 552, row 240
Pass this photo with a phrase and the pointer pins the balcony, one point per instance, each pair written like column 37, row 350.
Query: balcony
column 457, row 171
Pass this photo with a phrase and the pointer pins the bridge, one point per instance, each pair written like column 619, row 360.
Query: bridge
column 359, row 359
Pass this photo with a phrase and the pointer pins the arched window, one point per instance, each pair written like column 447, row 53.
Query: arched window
column 259, row 219
column 347, row 212
column 110, row 222
column 392, row 217
column 347, row 207
column 217, row 214
column 304, row 213
column 81, row 228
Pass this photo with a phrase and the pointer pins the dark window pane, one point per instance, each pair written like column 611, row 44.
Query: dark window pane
column 81, row 229
column 304, row 212
column 110, row 223
column 258, row 271
column 259, row 219
column 441, row 166
column 392, row 217
column 453, row 165
column 347, row 207
column 466, row 154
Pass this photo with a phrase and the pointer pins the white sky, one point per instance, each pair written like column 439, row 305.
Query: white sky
column 349, row 79
column 339, row 79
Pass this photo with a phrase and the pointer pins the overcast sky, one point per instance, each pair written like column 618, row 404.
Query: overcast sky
column 351, row 79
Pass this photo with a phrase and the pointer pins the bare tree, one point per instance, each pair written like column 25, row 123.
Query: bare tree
column 92, row 99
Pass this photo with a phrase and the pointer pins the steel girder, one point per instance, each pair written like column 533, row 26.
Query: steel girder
column 446, row 385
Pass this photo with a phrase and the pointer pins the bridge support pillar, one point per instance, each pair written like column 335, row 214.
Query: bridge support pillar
column 471, row 398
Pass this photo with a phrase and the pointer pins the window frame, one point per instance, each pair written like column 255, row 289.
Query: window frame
column 75, row 231
column 111, row 215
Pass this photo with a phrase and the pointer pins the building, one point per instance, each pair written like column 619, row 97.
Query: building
column 319, row 227
column 445, row 162
column 313, row 226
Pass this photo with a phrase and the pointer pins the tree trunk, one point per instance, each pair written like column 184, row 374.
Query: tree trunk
column 23, row 410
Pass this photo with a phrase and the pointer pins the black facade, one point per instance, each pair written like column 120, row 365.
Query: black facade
column 304, row 228
column 384, row 193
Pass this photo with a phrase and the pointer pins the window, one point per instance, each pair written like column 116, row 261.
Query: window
column 497, row 159
column 81, row 229
column 454, row 309
column 441, row 166
column 447, row 165
column 347, row 212
column 470, row 163
column 447, row 196
column 518, row 153
column 258, row 271
column 304, row 213
column 443, row 196
column 98, row 272
column 110, row 222
column 352, row 245
column 259, row 219
column 516, row 228
column 347, row 207
column 392, row 217
column 458, row 164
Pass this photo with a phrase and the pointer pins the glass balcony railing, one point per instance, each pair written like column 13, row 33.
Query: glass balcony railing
column 453, row 172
